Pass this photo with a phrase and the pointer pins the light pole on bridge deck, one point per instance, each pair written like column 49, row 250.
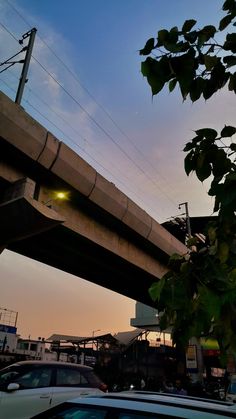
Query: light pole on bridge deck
column 187, row 218
column 93, row 332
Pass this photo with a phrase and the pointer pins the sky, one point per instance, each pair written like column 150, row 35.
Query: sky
column 85, row 86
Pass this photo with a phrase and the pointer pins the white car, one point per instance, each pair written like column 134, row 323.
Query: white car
column 140, row 405
column 30, row 387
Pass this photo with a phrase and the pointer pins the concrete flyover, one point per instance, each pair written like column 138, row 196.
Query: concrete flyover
column 98, row 233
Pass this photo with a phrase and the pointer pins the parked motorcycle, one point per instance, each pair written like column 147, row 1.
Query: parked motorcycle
column 215, row 390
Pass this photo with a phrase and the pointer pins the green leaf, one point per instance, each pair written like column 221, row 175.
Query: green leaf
column 232, row 275
column 176, row 256
column 219, row 76
column 184, row 267
column 184, row 68
column 189, row 163
column 146, row 67
column 148, row 47
column 164, row 322
column 205, row 34
column 176, row 47
column 174, row 29
column 231, row 176
column 228, row 131
column 215, row 189
column 232, row 147
column 170, row 39
column 210, row 61
column 225, row 22
column 156, row 289
column 188, row 25
column 172, row 84
column 189, row 146
column 230, row 43
column 157, row 73
column 210, row 88
column 193, row 241
column 155, row 83
column 191, row 37
column 196, row 88
column 229, row 5
column 212, row 250
column 212, row 234
column 210, row 302
column 230, row 60
column 216, row 205
column 208, row 133
column 221, row 164
column 203, row 169
column 162, row 36
column 232, row 82
column 209, row 31
column 223, row 252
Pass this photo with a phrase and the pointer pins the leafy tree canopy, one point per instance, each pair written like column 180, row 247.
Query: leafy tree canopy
column 197, row 297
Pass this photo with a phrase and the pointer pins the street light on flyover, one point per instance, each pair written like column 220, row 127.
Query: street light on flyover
column 93, row 332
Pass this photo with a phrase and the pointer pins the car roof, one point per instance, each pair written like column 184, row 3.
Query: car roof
column 153, row 401
column 52, row 363
column 151, row 394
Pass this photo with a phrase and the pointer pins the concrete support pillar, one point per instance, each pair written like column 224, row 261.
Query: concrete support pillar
column 22, row 187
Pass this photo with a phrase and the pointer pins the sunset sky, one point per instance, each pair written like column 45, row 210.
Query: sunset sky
column 85, row 86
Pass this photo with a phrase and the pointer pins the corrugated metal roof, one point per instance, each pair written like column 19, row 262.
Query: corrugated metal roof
column 79, row 339
column 125, row 338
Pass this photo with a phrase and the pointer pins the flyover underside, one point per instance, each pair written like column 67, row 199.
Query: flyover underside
column 98, row 233
column 67, row 251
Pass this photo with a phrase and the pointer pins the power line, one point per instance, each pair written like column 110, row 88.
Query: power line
column 99, row 105
column 98, row 125
column 76, row 131
column 9, row 32
column 103, row 130
column 93, row 98
column 78, row 146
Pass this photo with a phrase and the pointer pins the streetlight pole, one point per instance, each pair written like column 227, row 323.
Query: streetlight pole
column 93, row 332
column 187, row 218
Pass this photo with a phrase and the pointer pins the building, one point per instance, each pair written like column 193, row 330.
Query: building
column 8, row 330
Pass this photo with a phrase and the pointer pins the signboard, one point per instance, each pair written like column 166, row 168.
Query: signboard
column 209, row 347
column 191, row 358
column 8, row 329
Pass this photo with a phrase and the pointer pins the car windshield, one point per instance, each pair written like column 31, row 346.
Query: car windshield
column 8, row 374
column 71, row 411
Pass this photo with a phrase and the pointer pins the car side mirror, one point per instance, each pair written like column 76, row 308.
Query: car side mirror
column 13, row 387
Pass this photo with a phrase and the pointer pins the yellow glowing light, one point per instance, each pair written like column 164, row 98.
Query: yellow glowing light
column 55, row 196
column 61, row 195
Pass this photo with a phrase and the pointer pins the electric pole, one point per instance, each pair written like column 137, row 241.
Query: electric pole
column 23, row 78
